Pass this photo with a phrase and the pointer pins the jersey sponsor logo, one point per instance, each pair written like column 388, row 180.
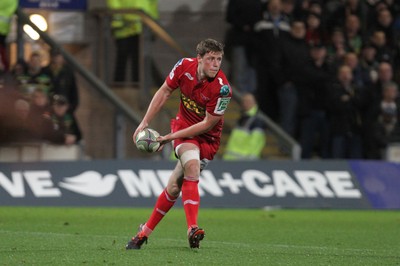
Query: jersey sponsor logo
column 222, row 105
column 189, row 76
column 192, row 106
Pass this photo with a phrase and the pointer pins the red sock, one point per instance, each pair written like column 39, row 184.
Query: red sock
column 191, row 200
column 163, row 205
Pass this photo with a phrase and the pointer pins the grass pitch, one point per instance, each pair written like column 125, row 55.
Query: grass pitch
column 97, row 236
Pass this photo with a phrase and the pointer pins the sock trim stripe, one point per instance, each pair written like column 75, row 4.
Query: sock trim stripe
column 191, row 179
column 169, row 198
column 193, row 202
column 161, row 212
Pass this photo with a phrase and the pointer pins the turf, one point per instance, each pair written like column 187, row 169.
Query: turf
column 97, row 236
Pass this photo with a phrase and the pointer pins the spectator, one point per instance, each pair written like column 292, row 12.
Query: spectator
column 34, row 77
column 369, row 64
column 314, row 122
column 337, row 48
column 22, row 129
column 353, row 33
column 288, row 7
column 19, row 68
column 64, row 124
column 374, row 7
column 383, row 51
column 247, row 139
column 374, row 97
column 315, row 7
column 16, row 75
column 345, row 102
column 366, row 46
column 242, row 15
column 337, row 18
column 351, row 60
column 385, row 23
column 152, row 9
column 298, row 73
column 7, row 9
column 270, row 31
column 62, row 79
column 314, row 32
column 330, row 6
column 385, row 75
column 19, row 127
column 303, row 8
column 386, row 121
column 40, row 103
column 126, row 29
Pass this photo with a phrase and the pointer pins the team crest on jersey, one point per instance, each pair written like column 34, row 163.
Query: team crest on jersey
column 224, row 91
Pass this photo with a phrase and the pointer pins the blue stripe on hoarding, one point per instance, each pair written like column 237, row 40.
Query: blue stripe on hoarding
column 380, row 182
column 54, row 4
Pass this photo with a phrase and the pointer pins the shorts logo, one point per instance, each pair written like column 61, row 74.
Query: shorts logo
column 222, row 105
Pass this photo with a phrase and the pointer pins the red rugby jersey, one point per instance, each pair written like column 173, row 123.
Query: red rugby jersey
column 197, row 97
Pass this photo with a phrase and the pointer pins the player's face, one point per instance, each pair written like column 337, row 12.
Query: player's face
column 210, row 64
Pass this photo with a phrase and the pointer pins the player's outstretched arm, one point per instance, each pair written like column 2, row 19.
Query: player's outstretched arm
column 158, row 101
column 197, row 129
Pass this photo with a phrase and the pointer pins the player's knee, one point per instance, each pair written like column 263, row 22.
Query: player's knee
column 189, row 156
column 192, row 169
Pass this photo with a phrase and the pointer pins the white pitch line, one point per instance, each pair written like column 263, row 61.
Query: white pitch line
column 181, row 240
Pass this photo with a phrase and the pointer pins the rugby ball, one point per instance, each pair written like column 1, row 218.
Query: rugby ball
column 146, row 140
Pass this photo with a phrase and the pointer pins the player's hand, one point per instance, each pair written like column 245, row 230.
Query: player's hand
column 141, row 126
column 164, row 139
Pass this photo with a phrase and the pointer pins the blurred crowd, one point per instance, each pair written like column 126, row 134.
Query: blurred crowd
column 326, row 71
column 38, row 102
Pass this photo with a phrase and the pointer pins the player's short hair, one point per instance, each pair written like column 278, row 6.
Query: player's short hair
column 209, row 45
